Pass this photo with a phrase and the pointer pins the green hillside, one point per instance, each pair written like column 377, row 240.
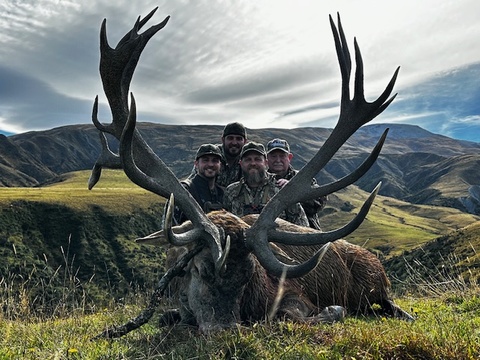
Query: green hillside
column 392, row 226
column 114, row 193
column 64, row 234
column 88, row 236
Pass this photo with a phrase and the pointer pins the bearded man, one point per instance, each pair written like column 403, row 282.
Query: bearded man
column 256, row 187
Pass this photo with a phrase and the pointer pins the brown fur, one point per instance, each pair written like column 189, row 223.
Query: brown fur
column 348, row 275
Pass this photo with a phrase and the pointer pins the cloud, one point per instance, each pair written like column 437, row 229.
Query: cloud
column 26, row 101
column 264, row 63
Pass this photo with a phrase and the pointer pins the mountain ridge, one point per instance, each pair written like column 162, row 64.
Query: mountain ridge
column 414, row 165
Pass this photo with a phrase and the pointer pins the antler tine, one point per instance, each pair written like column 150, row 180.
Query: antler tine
column 176, row 239
column 95, row 120
column 350, row 178
column 139, row 23
column 354, row 113
column 107, row 159
column 319, row 238
column 343, row 55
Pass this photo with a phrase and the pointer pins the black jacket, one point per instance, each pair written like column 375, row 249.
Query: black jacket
column 209, row 200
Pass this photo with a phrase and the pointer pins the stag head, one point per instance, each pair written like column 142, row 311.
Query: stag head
column 213, row 273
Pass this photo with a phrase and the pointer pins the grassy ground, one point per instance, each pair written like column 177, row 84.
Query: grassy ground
column 447, row 327
column 391, row 226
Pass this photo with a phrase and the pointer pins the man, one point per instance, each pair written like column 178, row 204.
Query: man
column 202, row 185
column 278, row 159
column 257, row 187
column 233, row 138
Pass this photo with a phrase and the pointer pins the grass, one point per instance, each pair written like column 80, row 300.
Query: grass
column 393, row 226
column 447, row 309
column 114, row 193
column 447, row 327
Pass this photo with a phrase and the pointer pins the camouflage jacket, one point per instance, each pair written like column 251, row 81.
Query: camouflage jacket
column 242, row 200
column 311, row 207
column 228, row 174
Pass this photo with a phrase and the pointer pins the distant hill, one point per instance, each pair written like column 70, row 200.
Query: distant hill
column 415, row 165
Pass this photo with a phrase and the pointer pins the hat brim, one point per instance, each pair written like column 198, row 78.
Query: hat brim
column 252, row 150
column 210, row 153
column 278, row 148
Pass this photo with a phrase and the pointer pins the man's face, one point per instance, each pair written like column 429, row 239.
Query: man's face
column 232, row 144
column 254, row 167
column 278, row 162
column 208, row 166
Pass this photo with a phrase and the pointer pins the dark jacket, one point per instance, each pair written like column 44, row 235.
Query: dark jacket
column 208, row 200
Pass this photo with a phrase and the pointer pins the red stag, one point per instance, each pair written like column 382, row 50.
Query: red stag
column 237, row 270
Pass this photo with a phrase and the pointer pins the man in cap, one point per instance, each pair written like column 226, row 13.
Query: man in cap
column 278, row 159
column 257, row 187
column 234, row 136
column 202, row 185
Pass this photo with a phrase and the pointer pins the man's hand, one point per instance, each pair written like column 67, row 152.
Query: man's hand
column 281, row 183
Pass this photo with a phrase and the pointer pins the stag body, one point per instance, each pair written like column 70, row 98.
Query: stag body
column 348, row 277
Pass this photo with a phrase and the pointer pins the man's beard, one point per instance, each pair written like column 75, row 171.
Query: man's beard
column 228, row 150
column 254, row 177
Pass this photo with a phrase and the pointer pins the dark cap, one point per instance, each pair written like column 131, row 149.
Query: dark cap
column 253, row 146
column 235, row 129
column 278, row 144
column 208, row 149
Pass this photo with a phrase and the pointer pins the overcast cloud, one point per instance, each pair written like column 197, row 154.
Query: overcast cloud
column 263, row 63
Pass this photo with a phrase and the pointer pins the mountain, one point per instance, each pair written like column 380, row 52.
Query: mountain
column 415, row 165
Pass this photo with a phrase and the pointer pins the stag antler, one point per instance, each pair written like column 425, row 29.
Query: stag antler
column 138, row 160
column 354, row 113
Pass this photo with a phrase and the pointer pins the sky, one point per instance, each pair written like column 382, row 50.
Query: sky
column 264, row 63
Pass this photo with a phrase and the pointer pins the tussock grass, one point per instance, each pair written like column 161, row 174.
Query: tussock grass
column 446, row 327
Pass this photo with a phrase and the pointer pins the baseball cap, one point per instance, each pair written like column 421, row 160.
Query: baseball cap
column 208, row 149
column 253, row 146
column 235, row 129
column 278, row 144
